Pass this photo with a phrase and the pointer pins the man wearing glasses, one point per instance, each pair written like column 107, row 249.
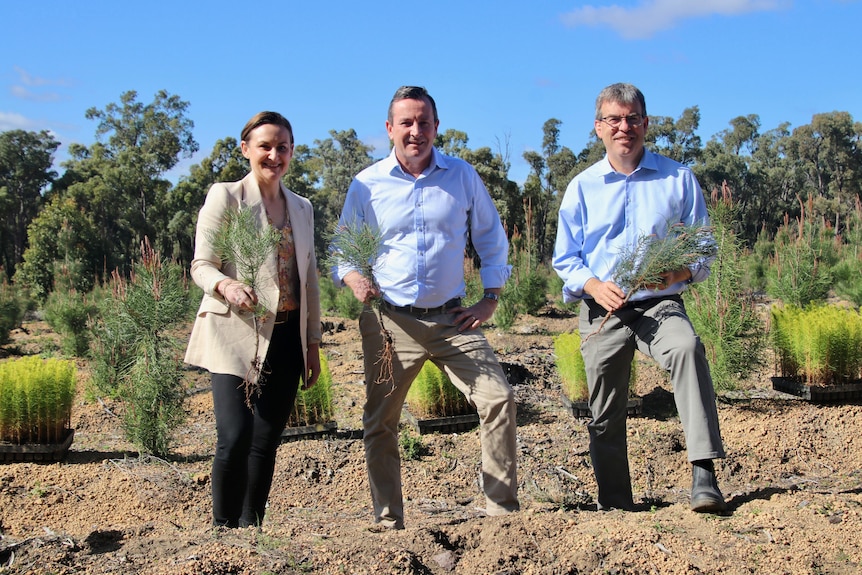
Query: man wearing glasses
column 629, row 194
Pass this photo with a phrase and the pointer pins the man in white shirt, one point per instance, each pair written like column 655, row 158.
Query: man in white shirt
column 425, row 205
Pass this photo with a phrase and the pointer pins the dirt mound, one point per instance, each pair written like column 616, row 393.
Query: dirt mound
column 793, row 478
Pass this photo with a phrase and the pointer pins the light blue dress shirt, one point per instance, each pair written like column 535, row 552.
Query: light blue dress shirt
column 424, row 223
column 604, row 213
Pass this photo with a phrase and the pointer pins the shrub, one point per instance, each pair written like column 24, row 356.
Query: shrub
column 756, row 262
column 36, row 399
column 722, row 310
column 532, row 291
column 527, row 287
column 328, row 293
column 69, row 313
column 346, row 305
column 472, row 283
column 314, row 405
column 507, row 308
column 141, row 356
column 195, row 294
column 821, row 344
column 411, row 446
column 12, row 308
column 799, row 272
column 113, row 344
column 434, row 395
column 555, row 287
column 846, row 275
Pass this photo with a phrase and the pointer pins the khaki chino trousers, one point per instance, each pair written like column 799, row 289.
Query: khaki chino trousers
column 468, row 360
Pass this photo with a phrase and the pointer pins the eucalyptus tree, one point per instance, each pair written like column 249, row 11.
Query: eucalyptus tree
column 336, row 160
column 726, row 164
column 303, row 174
column 25, row 172
column 62, row 239
column 143, row 142
column 829, row 152
column 115, row 182
column 676, row 139
column 779, row 181
column 176, row 209
column 493, row 167
column 304, row 178
column 550, row 173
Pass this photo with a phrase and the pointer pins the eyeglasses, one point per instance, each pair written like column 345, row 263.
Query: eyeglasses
column 633, row 120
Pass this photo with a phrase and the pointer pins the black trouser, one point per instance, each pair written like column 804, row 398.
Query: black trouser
column 247, row 441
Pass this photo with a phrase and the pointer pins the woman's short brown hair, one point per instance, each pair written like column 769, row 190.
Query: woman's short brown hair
column 262, row 118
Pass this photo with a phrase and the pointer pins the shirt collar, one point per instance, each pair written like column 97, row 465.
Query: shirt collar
column 648, row 162
column 438, row 160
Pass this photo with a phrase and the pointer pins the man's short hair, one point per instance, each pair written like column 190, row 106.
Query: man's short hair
column 412, row 93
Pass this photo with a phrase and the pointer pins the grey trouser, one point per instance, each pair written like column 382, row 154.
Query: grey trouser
column 660, row 328
column 470, row 363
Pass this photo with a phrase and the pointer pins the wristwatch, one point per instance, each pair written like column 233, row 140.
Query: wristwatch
column 491, row 296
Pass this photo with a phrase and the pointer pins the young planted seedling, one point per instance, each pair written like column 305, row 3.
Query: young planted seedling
column 645, row 264
column 358, row 246
column 239, row 241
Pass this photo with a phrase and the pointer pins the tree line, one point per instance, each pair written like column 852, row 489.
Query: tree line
column 92, row 219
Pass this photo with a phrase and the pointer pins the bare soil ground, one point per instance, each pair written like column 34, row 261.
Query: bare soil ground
column 793, row 479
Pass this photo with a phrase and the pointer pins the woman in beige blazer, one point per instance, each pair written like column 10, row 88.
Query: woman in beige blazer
column 223, row 338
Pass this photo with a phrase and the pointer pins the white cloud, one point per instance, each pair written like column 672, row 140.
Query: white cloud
column 652, row 16
column 10, row 121
column 23, row 93
column 23, row 90
column 28, row 80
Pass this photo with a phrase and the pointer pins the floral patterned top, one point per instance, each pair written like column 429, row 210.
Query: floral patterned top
column 288, row 273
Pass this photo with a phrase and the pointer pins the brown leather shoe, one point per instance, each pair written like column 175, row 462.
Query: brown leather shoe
column 705, row 495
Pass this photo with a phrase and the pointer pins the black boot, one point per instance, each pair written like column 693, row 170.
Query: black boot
column 705, row 496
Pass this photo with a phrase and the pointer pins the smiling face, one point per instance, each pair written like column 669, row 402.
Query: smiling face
column 269, row 150
column 412, row 129
column 625, row 143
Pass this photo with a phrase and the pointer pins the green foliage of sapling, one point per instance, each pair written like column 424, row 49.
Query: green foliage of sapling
column 644, row 264
column 570, row 366
column 357, row 246
column 36, row 397
column 434, row 395
column 821, row 344
column 721, row 308
column 314, row 405
column 240, row 241
column 135, row 356
column 571, row 369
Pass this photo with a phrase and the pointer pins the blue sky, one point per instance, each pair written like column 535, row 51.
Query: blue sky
column 498, row 69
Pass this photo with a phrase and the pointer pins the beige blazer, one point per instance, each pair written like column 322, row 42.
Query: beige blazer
column 222, row 341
